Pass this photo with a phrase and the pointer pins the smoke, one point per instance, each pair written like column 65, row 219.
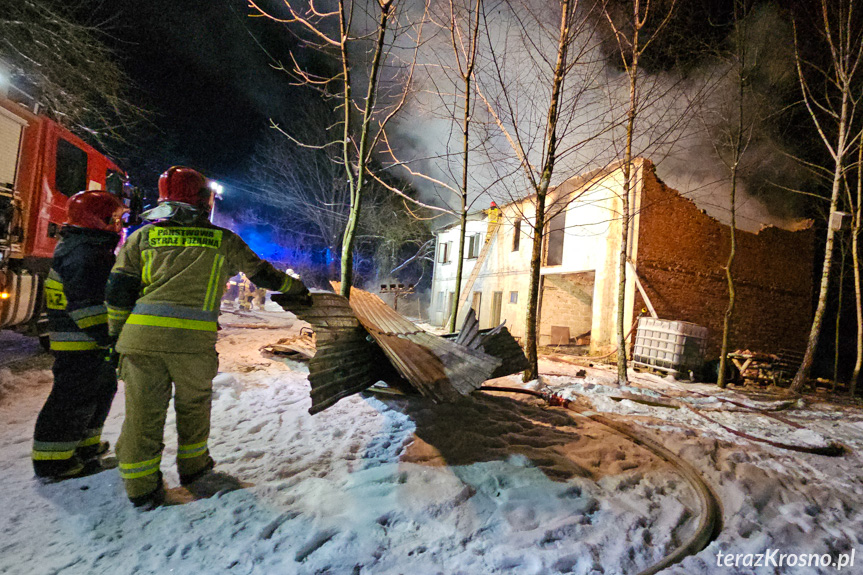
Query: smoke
column 515, row 79
column 684, row 122
column 700, row 155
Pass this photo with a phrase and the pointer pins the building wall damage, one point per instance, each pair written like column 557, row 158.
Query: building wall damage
column 681, row 263
column 677, row 257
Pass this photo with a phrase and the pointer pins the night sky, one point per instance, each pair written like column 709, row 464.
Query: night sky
column 207, row 82
column 200, row 68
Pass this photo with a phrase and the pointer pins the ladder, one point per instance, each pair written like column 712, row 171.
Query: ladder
column 491, row 233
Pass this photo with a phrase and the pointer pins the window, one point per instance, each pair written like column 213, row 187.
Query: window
column 513, row 297
column 70, row 175
column 10, row 139
column 556, row 233
column 443, row 252
column 473, row 247
column 516, row 235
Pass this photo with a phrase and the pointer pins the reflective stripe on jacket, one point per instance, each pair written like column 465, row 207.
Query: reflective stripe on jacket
column 166, row 287
column 75, row 289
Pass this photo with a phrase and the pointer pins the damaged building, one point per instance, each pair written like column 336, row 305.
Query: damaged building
column 676, row 269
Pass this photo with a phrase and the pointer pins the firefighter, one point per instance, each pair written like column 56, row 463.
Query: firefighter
column 163, row 302
column 244, row 297
column 259, row 298
column 67, row 440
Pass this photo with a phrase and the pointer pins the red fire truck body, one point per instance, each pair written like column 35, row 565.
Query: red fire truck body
column 42, row 164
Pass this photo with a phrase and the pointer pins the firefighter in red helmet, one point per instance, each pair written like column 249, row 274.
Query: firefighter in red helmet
column 67, row 440
column 163, row 301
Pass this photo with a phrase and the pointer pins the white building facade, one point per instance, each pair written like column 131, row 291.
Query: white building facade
column 579, row 275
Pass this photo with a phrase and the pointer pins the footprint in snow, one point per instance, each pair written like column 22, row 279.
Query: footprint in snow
column 317, row 541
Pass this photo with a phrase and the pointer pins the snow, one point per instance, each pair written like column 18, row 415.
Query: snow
column 385, row 484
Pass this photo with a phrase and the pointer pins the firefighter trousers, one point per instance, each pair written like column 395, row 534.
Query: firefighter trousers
column 148, row 380
column 73, row 415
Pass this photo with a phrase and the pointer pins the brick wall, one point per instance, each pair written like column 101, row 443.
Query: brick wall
column 681, row 258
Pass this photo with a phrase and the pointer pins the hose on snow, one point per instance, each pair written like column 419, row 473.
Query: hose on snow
column 710, row 518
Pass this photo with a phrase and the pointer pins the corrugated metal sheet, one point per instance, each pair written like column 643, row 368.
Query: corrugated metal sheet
column 438, row 368
column 346, row 361
column 496, row 342
column 365, row 341
column 469, row 333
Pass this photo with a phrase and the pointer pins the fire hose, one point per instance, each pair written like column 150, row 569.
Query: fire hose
column 832, row 449
column 710, row 518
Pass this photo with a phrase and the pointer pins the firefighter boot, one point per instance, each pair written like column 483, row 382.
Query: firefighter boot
column 151, row 500
column 54, row 471
column 191, row 477
column 91, row 452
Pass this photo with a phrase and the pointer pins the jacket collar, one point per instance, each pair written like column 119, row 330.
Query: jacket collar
column 175, row 213
column 100, row 236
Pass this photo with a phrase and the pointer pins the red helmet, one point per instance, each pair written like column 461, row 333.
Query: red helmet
column 180, row 184
column 96, row 210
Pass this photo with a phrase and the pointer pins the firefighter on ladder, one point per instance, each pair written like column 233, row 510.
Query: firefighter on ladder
column 67, row 440
column 163, row 302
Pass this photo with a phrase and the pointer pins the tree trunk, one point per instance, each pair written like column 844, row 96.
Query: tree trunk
column 348, row 246
column 806, row 366
column 855, row 258
column 347, row 263
column 622, row 376
column 362, row 151
column 459, row 267
column 838, row 316
column 532, row 372
column 729, row 311
column 530, row 337
column 465, row 154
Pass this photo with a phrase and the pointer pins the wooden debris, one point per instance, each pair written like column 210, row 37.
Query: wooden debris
column 299, row 348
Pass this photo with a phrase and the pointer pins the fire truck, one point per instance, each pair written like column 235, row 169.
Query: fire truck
column 42, row 164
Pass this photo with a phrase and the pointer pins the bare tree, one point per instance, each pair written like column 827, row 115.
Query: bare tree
column 359, row 35
column 632, row 47
column 829, row 93
column 537, row 145
column 306, row 183
column 65, row 65
column 857, row 211
column 464, row 47
column 445, row 93
column 730, row 148
column 307, row 187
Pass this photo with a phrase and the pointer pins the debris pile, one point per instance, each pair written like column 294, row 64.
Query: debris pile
column 362, row 341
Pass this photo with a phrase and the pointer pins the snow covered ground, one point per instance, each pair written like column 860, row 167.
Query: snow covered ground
column 384, row 484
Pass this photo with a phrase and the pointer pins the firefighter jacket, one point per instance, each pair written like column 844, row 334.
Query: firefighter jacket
column 75, row 289
column 165, row 290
